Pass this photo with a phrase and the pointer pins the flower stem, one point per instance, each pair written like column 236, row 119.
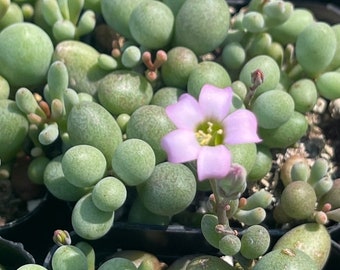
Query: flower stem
column 220, row 204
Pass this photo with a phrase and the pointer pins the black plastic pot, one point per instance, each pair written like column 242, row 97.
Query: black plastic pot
column 172, row 242
column 328, row 11
column 333, row 261
column 166, row 242
column 21, row 222
column 13, row 255
column 35, row 229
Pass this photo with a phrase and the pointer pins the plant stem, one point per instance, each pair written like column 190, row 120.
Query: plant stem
column 220, row 204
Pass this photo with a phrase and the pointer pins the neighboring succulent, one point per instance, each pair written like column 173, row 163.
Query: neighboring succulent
column 157, row 108
column 67, row 19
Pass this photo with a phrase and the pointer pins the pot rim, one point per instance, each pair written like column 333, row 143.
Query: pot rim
column 16, row 249
column 8, row 226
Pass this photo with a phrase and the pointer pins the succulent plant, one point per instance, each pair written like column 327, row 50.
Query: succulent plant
column 186, row 105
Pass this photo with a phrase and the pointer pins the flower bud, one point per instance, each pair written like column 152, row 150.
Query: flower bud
column 234, row 184
column 61, row 237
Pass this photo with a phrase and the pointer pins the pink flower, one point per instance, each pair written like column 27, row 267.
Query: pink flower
column 204, row 130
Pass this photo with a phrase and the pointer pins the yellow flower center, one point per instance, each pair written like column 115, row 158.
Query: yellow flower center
column 209, row 134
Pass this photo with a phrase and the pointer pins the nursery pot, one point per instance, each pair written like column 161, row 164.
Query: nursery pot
column 34, row 229
column 172, row 242
column 13, row 227
column 13, row 255
column 167, row 243
column 335, row 250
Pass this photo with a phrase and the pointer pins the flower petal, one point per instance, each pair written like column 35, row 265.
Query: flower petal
column 213, row 162
column 181, row 146
column 241, row 127
column 215, row 102
column 186, row 113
